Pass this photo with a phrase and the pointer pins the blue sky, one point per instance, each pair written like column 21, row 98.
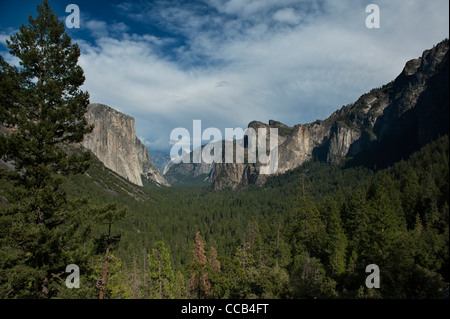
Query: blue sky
column 167, row 63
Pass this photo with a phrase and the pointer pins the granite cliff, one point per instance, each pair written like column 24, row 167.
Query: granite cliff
column 380, row 128
column 113, row 140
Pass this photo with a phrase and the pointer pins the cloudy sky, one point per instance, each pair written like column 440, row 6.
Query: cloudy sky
column 229, row 62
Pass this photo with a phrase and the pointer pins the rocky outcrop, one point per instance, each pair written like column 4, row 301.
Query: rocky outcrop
column 381, row 127
column 187, row 170
column 113, row 140
column 147, row 169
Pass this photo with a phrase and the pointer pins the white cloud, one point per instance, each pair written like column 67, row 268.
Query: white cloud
column 100, row 29
column 236, row 66
column 287, row 15
column 4, row 52
column 3, row 38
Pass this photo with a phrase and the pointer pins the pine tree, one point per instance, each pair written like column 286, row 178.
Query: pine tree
column 214, row 273
column 200, row 284
column 43, row 108
column 389, row 244
column 308, row 241
column 116, row 287
column 387, row 221
column 428, row 248
column 337, row 240
column 309, row 279
column 213, row 262
column 179, row 288
column 161, row 274
column 308, row 232
column 410, row 195
column 107, row 215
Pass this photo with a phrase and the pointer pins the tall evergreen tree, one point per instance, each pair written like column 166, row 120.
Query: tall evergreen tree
column 410, row 194
column 337, row 240
column 308, row 232
column 161, row 274
column 107, row 215
column 387, row 221
column 43, row 107
column 200, row 283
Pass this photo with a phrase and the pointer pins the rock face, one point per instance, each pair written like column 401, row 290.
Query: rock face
column 187, row 170
column 381, row 127
column 113, row 140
